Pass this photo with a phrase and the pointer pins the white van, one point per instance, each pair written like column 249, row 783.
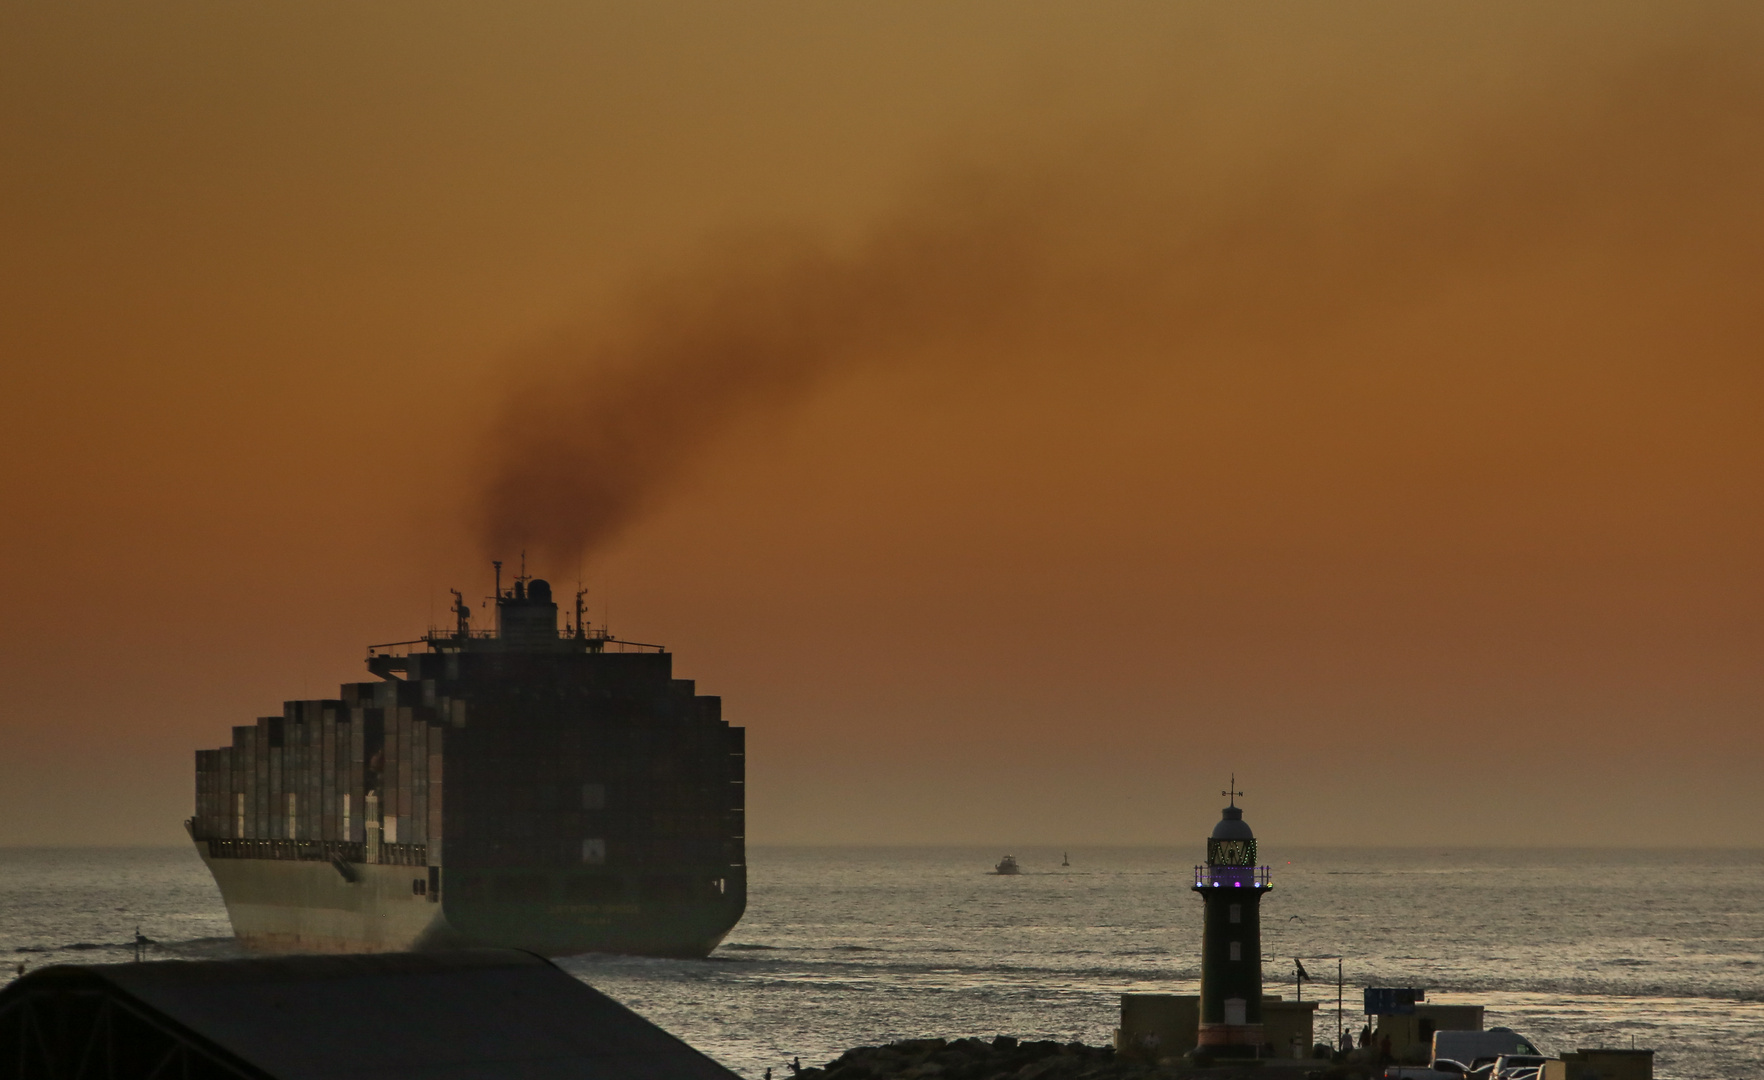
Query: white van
column 1474, row 1047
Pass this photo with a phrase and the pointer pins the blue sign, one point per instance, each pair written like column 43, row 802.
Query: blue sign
column 1393, row 1000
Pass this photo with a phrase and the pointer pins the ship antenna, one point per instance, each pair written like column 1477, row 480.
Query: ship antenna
column 580, row 592
column 498, row 564
column 463, row 614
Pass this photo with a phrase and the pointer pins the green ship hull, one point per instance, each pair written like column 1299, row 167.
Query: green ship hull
column 309, row 906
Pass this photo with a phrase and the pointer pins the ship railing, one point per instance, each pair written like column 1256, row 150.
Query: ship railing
column 227, row 847
column 598, row 639
column 640, row 646
column 404, row 854
column 1233, row 877
column 349, row 851
column 433, row 637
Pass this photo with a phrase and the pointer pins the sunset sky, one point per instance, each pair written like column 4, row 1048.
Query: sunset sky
column 1023, row 414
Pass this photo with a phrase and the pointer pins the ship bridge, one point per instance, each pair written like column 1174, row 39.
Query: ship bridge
column 526, row 622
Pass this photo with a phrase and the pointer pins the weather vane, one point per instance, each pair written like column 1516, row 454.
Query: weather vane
column 1232, row 790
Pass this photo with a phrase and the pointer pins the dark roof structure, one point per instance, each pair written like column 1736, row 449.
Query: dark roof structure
column 1232, row 826
column 469, row 1015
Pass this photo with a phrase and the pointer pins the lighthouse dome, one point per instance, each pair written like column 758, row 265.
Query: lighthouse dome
column 1232, row 826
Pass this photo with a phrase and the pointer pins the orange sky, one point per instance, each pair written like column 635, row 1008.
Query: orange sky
column 1023, row 416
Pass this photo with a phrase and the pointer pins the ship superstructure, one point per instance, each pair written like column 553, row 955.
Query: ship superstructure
column 552, row 790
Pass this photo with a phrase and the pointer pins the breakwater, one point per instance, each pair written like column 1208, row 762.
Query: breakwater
column 1006, row 1058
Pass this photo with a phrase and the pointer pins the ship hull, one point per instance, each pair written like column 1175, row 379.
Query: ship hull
column 288, row 906
column 308, row 906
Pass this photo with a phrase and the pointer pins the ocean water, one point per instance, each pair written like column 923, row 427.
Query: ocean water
column 851, row 946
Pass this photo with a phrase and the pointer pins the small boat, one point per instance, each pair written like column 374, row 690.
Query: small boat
column 1007, row 865
column 1065, row 859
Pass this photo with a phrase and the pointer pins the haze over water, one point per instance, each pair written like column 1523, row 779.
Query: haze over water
column 851, row 946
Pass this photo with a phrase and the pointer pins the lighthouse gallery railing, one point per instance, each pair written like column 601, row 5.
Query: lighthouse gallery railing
column 1229, row 877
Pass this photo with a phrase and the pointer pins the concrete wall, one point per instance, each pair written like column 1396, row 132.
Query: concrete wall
column 1609, row 1065
column 1157, row 1026
column 1289, row 1024
column 1411, row 1037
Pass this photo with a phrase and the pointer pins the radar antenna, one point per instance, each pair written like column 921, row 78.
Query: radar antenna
column 463, row 613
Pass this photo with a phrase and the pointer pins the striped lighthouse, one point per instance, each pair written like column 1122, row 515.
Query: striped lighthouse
column 1231, row 887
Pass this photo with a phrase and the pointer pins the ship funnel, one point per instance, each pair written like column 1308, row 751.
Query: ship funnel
column 528, row 617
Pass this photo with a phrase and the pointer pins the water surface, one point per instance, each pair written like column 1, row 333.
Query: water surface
column 850, row 946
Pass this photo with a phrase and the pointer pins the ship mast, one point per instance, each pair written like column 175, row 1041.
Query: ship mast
column 463, row 615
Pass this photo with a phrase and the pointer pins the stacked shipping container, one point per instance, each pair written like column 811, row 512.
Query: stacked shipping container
column 364, row 776
column 304, row 780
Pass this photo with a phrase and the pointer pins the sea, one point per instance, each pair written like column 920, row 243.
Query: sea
column 855, row 946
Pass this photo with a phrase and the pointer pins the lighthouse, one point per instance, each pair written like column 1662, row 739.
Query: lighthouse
column 1231, row 887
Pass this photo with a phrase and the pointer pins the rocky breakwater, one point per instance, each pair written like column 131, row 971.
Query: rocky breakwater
column 1005, row 1058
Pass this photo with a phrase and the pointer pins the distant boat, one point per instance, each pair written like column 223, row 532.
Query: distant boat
column 1065, row 859
column 1007, row 865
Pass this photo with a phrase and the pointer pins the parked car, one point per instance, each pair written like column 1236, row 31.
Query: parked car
column 1518, row 1067
column 1443, row 1069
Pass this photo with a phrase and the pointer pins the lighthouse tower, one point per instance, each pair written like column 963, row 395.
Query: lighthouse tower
column 1231, row 886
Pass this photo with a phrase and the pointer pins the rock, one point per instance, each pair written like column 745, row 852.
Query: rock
column 1007, row 1058
column 1051, row 1067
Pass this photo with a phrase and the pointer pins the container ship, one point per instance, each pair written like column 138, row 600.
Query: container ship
column 554, row 790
